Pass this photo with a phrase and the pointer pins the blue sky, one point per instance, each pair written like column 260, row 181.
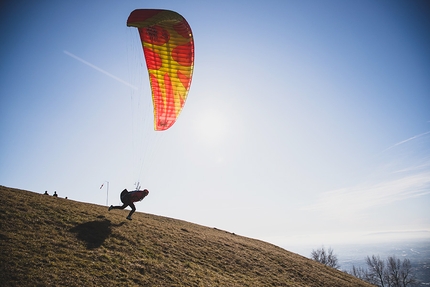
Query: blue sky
column 306, row 121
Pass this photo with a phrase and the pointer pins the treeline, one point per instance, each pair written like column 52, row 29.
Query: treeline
column 391, row 272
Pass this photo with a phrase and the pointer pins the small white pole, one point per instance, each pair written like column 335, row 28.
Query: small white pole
column 107, row 194
column 107, row 191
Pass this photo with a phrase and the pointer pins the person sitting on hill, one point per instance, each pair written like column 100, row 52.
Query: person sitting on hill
column 128, row 199
column 46, row 192
column 55, row 194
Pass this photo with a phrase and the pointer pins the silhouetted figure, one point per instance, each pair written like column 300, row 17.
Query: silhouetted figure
column 128, row 199
column 46, row 193
column 55, row 194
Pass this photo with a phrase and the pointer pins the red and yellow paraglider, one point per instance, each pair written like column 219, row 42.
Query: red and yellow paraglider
column 168, row 47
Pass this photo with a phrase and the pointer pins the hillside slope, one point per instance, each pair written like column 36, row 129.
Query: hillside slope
column 48, row 241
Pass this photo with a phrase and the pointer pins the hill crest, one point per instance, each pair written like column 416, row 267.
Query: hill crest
column 54, row 241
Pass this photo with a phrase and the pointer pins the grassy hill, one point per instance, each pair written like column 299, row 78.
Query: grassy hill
column 48, row 241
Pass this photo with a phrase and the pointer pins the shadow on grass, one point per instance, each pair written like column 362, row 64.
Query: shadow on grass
column 94, row 233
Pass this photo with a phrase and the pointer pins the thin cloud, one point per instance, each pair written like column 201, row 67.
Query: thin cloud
column 405, row 175
column 405, row 141
column 99, row 69
column 351, row 200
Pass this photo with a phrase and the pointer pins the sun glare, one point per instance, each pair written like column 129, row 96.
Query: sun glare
column 211, row 127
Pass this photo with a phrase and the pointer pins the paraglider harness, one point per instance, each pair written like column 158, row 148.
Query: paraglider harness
column 124, row 196
column 134, row 196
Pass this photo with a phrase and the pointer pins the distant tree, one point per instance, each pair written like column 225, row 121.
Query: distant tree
column 407, row 275
column 360, row 273
column 376, row 270
column 325, row 257
column 399, row 274
column 389, row 273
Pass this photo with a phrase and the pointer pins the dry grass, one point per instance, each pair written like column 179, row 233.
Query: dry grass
column 47, row 241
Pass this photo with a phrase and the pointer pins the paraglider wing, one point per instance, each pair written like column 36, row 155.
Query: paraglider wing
column 168, row 47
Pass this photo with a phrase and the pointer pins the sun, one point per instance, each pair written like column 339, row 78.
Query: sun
column 212, row 127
